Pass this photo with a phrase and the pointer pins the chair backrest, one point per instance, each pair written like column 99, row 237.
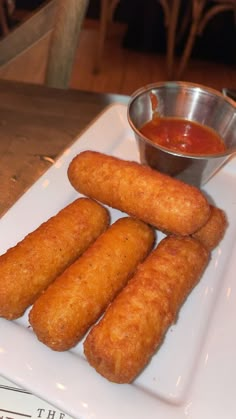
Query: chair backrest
column 61, row 21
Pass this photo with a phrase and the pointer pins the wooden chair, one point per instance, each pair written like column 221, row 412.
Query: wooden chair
column 200, row 16
column 107, row 8
column 197, row 16
column 171, row 12
column 62, row 21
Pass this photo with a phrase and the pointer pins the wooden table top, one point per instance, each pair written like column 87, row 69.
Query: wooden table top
column 36, row 124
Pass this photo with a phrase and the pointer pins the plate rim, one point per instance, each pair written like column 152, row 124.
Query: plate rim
column 113, row 110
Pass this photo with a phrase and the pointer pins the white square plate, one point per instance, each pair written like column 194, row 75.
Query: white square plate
column 193, row 373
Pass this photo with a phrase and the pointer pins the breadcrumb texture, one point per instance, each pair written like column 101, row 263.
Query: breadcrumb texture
column 64, row 313
column 134, row 325
column 213, row 231
column 167, row 203
column 29, row 267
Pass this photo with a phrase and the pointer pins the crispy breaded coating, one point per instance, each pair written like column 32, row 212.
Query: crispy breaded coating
column 164, row 202
column 29, row 267
column 64, row 313
column 213, row 231
column 133, row 327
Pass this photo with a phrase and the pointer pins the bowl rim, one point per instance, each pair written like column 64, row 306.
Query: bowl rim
column 182, row 84
column 148, row 87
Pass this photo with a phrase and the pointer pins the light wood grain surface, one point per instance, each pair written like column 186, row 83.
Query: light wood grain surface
column 36, row 125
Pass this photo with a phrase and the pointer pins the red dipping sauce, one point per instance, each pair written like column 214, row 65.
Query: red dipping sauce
column 182, row 135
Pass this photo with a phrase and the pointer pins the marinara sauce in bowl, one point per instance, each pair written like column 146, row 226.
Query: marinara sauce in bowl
column 183, row 129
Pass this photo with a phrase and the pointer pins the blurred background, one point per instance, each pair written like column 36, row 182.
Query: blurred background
column 134, row 50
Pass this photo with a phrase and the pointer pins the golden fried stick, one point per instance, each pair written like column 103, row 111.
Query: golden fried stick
column 64, row 313
column 213, row 231
column 167, row 203
column 133, row 326
column 29, row 267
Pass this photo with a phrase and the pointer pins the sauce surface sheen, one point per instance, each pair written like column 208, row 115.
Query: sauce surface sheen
column 183, row 135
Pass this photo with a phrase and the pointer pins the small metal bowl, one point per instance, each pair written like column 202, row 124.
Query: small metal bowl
column 189, row 101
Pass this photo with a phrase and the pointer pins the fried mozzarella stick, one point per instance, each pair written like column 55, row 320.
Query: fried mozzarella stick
column 213, row 231
column 157, row 199
column 134, row 325
column 64, row 313
column 29, row 267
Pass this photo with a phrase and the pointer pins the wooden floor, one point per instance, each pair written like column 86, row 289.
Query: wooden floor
column 123, row 71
